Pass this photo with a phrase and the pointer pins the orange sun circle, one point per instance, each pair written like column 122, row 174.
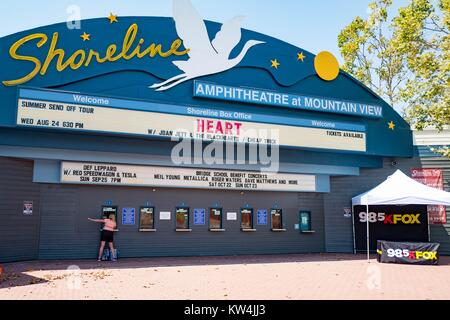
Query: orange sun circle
column 327, row 66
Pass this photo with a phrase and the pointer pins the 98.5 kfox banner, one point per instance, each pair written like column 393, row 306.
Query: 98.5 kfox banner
column 408, row 253
column 408, row 223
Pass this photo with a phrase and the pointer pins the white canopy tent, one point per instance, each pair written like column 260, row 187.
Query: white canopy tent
column 399, row 189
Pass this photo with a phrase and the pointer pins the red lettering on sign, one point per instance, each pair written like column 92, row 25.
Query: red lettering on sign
column 238, row 128
column 209, row 126
column 388, row 219
column 433, row 178
column 219, row 127
column 200, row 126
column 228, row 128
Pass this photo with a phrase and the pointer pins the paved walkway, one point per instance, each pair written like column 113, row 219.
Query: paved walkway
column 283, row 277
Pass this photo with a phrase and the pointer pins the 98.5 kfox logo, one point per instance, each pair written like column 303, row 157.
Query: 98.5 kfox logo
column 413, row 255
column 374, row 217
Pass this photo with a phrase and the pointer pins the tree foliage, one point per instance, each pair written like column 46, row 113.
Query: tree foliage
column 422, row 37
column 405, row 59
column 370, row 54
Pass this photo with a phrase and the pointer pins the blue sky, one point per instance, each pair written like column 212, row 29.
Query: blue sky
column 311, row 25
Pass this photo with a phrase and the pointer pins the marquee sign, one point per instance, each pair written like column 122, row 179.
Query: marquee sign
column 97, row 114
column 186, row 62
column 131, row 175
column 271, row 98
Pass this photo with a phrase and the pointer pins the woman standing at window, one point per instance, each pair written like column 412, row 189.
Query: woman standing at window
column 107, row 235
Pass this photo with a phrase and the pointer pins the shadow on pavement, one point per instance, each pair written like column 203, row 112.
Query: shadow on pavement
column 18, row 279
column 159, row 262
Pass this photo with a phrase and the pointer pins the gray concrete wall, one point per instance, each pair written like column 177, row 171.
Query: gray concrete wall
column 59, row 229
column 66, row 232
column 19, row 234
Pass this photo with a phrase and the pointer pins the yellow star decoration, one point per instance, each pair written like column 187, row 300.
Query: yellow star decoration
column 275, row 63
column 86, row 36
column 301, row 57
column 112, row 18
column 392, row 125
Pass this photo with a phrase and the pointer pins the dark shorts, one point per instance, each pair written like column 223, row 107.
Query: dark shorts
column 107, row 236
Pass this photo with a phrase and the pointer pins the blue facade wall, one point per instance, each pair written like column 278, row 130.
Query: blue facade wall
column 60, row 229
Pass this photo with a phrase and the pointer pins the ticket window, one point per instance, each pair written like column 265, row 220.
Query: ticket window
column 215, row 219
column 247, row 219
column 305, row 221
column 110, row 212
column 147, row 219
column 182, row 218
column 277, row 219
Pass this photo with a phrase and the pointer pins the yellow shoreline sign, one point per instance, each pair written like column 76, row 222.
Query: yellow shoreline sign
column 84, row 58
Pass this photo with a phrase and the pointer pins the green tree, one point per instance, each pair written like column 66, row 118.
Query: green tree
column 421, row 35
column 405, row 59
column 370, row 53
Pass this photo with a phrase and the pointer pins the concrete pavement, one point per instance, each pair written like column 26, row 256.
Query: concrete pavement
column 280, row 277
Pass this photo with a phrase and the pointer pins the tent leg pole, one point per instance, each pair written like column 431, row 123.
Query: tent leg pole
column 429, row 228
column 368, row 236
column 353, row 229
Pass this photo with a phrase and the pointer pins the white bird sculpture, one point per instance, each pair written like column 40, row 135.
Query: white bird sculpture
column 205, row 57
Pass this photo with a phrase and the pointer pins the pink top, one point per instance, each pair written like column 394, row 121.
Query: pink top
column 110, row 225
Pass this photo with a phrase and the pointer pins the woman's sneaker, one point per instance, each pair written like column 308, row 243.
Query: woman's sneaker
column 114, row 255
